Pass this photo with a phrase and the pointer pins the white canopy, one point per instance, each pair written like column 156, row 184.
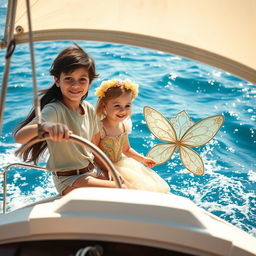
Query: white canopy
column 220, row 33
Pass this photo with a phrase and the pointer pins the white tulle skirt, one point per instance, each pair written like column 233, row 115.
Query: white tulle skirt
column 138, row 176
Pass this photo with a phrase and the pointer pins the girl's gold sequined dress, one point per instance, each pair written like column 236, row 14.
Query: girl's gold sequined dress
column 135, row 174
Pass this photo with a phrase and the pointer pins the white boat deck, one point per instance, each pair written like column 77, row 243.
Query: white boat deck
column 135, row 217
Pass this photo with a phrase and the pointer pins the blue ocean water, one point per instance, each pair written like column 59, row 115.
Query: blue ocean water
column 169, row 84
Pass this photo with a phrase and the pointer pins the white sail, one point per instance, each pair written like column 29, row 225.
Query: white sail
column 219, row 33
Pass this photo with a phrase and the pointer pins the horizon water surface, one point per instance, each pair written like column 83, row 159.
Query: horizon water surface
column 169, row 84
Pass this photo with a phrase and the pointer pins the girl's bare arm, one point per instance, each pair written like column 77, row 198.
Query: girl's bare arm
column 130, row 152
column 96, row 141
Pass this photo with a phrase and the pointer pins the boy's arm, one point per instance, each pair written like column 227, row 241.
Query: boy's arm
column 56, row 131
column 26, row 133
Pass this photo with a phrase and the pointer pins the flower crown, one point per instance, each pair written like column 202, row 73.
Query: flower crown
column 105, row 85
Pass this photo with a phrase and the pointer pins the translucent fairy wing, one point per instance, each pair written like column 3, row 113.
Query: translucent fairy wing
column 161, row 153
column 203, row 131
column 191, row 160
column 159, row 125
column 181, row 123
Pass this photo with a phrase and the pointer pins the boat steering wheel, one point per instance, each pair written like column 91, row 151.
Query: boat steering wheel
column 83, row 142
column 72, row 138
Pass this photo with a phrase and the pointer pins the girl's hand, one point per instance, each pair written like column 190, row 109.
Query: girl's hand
column 56, row 131
column 150, row 163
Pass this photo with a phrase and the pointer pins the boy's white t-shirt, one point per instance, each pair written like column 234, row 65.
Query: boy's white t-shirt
column 66, row 155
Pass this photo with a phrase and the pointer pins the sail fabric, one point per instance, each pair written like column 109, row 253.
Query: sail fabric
column 219, row 33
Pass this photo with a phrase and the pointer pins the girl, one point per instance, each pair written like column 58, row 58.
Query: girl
column 114, row 110
column 64, row 111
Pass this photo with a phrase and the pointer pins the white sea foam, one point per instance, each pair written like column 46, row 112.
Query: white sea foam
column 16, row 195
column 17, row 198
column 252, row 175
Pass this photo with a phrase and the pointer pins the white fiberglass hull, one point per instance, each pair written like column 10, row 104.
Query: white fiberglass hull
column 165, row 221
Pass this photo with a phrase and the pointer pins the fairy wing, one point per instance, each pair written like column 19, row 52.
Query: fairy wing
column 161, row 153
column 191, row 160
column 181, row 123
column 203, row 131
column 159, row 125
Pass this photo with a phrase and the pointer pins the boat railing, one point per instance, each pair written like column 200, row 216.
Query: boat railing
column 6, row 169
column 72, row 138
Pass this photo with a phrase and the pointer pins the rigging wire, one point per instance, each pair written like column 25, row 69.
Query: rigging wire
column 35, row 90
column 10, row 41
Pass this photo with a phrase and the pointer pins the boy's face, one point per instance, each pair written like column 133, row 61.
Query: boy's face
column 74, row 85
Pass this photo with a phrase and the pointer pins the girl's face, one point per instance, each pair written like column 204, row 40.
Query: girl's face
column 119, row 108
column 74, row 85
